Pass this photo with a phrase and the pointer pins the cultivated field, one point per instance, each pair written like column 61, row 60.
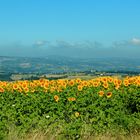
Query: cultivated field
column 99, row 108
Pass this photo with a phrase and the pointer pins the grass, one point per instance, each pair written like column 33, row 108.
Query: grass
column 48, row 136
column 14, row 134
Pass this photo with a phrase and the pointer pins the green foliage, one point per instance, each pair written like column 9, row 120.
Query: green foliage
column 27, row 112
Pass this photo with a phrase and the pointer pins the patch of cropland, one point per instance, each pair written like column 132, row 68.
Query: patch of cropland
column 16, row 68
column 71, row 109
column 56, row 64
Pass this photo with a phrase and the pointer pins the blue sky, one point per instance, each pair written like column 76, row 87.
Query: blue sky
column 33, row 27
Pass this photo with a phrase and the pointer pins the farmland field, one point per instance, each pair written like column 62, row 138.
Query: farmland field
column 71, row 109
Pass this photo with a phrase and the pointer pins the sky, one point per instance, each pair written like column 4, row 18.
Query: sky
column 84, row 28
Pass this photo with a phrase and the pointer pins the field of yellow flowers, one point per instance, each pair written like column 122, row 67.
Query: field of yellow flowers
column 71, row 107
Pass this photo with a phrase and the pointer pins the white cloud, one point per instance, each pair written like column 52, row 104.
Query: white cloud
column 40, row 43
column 135, row 41
column 128, row 48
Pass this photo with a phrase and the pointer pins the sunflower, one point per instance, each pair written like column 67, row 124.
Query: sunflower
column 4, row 84
column 71, row 99
column 137, row 82
column 126, row 82
column 24, row 85
column 101, row 93
column 56, row 98
column 41, row 81
column 109, row 94
column 1, row 89
column 63, row 85
column 77, row 114
column 15, row 86
column 78, row 80
column 46, row 85
column 104, row 79
column 71, row 82
column 59, row 89
column 105, row 85
column 52, row 89
column 26, row 89
column 117, row 87
column 110, row 79
column 119, row 82
column 85, row 83
column 80, row 87
column 95, row 84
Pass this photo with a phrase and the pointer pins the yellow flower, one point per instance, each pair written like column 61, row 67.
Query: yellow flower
column 77, row 114
column 85, row 83
column 64, row 85
column 71, row 82
column 52, row 89
column 104, row 79
column 110, row 79
column 109, row 94
column 26, row 89
column 1, row 89
column 15, row 86
column 117, row 87
column 78, row 80
column 4, row 84
column 101, row 93
column 71, row 99
column 24, row 85
column 105, row 85
column 126, row 83
column 59, row 89
column 20, row 90
column 33, row 90
column 41, row 81
column 46, row 85
column 95, row 84
column 56, row 98
column 119, row 82
column 80, row 87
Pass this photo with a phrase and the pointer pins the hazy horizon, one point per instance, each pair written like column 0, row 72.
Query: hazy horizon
column 77, row 28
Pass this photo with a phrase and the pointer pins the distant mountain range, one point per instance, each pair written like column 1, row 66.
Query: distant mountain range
column 58, row 64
